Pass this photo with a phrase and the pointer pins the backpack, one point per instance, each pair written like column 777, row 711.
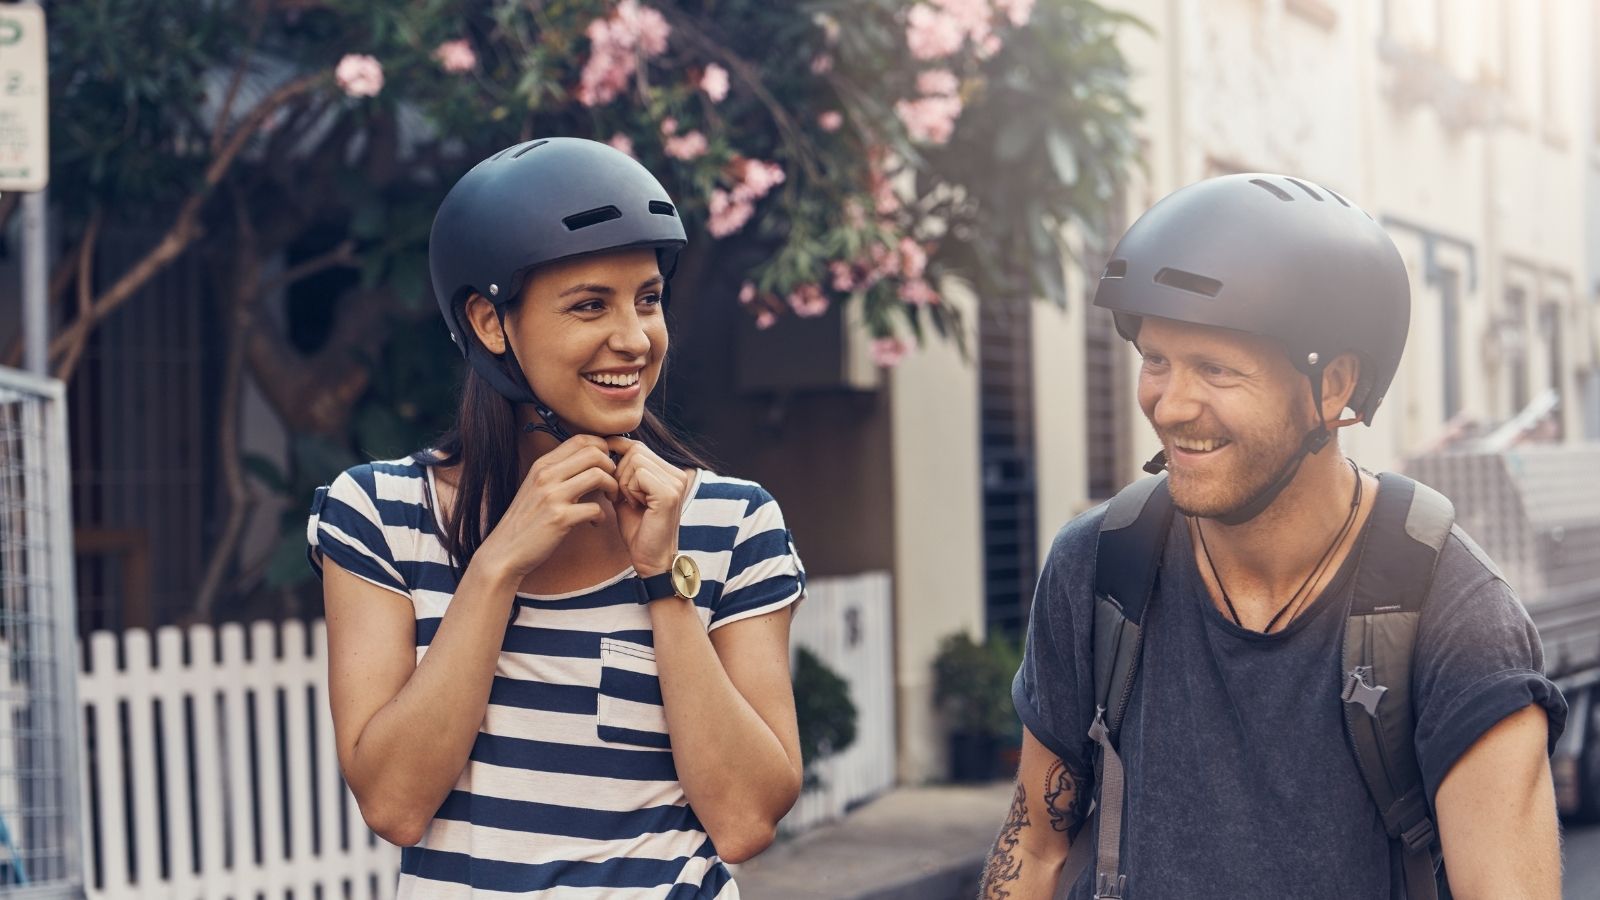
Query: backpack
column 1410, row 522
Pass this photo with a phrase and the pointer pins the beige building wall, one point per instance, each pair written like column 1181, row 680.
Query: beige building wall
column 938, row 535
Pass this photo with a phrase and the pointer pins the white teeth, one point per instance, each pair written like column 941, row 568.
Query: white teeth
column 1198, row 446
column 612, row 380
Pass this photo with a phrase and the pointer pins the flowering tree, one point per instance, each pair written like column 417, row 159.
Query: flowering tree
column 862, row 149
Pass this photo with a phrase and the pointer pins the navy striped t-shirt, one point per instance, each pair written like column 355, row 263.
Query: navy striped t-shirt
column 570, row 790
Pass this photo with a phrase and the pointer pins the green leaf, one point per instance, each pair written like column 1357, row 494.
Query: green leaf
column 266, row 471
column 1062, row 157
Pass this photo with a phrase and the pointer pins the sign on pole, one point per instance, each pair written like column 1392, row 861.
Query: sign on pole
column 24, row 119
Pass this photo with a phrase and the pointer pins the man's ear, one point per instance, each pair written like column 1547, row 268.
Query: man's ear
column 485, row 323
column 1339, row 380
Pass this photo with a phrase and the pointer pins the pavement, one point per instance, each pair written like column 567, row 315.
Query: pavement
column 912, row 843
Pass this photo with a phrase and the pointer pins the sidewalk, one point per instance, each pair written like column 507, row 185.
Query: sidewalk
column 921, row 843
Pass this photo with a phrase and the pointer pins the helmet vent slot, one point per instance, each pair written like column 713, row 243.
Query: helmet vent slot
column 533, row 146
column 1117, row 268
column 1271, row 188
column 1335, row 195
column 1307, row 188
column 592, row 217
column 662, row 208
column 1189, row 281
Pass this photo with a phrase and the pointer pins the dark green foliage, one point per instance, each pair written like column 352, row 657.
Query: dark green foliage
column 972, row 684
column 826, row 715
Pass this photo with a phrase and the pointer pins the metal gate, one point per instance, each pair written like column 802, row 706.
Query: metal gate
column 40, row 822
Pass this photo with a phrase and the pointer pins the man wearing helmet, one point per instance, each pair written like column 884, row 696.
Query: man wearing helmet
column 1263, row 308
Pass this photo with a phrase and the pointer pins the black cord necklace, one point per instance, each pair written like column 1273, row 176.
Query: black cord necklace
column 1316, row 571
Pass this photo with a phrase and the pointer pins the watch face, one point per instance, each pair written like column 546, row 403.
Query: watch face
column 686, row 576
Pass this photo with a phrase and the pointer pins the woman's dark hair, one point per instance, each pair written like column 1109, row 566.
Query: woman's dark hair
column 483, row 442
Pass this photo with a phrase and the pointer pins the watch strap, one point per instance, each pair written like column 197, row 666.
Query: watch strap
column 656, row 587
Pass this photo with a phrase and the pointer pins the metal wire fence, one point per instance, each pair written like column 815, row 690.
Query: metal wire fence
column 40, row 830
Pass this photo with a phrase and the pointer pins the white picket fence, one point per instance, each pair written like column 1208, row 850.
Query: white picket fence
column 848, row 623
column 212, row 773
column 210, row 769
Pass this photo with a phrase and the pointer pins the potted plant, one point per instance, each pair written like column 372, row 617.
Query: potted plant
column 824, row 712
column 972, row 688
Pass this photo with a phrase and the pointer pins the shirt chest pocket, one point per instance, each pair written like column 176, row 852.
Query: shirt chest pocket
column 629, row 709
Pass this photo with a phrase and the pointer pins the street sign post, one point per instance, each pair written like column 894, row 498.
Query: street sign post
column 24, row 120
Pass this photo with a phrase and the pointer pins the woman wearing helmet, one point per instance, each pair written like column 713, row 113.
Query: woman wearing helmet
column 557, row 641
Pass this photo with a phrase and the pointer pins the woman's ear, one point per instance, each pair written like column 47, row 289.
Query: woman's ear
column 1339, row 380
column 485, row 323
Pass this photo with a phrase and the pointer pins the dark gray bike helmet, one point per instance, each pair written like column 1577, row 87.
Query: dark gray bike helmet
column 1273, row 256
column 535, row 203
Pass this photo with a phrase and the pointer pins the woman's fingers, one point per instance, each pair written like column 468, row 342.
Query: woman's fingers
column 587, row 482
column 555, row 470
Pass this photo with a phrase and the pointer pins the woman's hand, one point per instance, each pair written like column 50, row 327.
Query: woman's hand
column 651, row 497
column 550, row 503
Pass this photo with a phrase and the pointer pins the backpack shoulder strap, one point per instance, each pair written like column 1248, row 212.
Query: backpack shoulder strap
column 1127, row 555
column 1410, row 522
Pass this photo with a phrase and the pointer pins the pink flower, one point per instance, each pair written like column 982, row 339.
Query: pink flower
column 686, row 147
column 747, row 292
column 829, row 26
column 714, row 81
column 622, row 142
column 1018, row 11
column 932, row 33
column 938, row 83
column 830, row 121
column 844, row 276
column 808, row 301
column 913, row 259
column 727, row 214
column 669, row 126
column 885, row 262
column 647, row 28
column 918, row 292
column 615, row 45
column 929, row 119
column 456, row 56
column 759, row 179
column 888, row 351
column 989, row 46
column 359, row 75
column 821, row 64
column 766, row 319
column 884, row 199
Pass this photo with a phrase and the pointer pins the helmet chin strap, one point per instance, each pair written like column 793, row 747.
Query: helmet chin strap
column 1312, row 443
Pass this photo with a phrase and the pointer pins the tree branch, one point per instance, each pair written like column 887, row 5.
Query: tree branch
column 223, row 112
column 185, row 229
column 245, row 291
column 85, row 279
column 343, row 255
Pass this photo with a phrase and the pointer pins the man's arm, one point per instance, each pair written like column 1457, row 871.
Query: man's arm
column 1046, row 812
column 1497, row 814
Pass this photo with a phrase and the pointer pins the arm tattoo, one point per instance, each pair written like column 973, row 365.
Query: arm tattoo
column 1004, row 865
column 1066, row 803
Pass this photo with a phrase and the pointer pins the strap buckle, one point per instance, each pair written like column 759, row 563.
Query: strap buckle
column 1358, row 689
column 1419, row 837
column 1109, row 886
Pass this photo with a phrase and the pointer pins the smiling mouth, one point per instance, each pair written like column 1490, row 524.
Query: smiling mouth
column 1197, row 446
column 613, row 380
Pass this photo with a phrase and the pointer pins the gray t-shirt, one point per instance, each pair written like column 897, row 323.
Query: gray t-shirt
column 1240, row 781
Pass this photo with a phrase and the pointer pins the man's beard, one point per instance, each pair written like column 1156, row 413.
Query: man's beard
column 1255, row 462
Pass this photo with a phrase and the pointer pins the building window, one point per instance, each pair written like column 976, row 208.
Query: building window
column 1450, row 336
column 1005, row 363
column 1550, row 331
column 1516, row 358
